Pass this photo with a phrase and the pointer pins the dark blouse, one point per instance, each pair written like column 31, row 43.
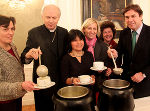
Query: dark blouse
column 71, row 67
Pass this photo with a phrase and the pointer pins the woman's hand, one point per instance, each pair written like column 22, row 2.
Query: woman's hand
column 93, row 79
column 108, row 72
column 76, row 81
column 28, row 86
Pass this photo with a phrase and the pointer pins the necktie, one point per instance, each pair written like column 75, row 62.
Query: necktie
column 133, row 40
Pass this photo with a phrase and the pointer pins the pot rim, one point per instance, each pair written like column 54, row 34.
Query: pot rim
column 86, row 90
column 127, row 84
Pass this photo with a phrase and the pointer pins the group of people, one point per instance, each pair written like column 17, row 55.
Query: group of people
column 68, row 55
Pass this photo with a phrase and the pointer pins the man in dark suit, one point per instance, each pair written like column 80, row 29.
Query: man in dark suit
column 136, row 59
column 51, row 40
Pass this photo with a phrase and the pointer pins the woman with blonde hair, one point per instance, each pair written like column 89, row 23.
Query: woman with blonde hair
column 97, row 47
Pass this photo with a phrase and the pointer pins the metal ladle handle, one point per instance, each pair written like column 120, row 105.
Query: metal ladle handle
column 39, row 57
column 113, row 58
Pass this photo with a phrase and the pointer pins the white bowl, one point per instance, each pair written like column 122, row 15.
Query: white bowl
column 118, row 71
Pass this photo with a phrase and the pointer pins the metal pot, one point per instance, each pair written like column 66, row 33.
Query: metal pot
column 73, row 98
column 116, row 95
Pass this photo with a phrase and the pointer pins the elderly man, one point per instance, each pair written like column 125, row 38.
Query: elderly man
column 134, row 44
column 51, row 40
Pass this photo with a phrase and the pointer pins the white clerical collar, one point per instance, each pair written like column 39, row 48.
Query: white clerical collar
column 53, row 30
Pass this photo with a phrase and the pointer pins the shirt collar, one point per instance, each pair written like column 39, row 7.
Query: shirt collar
column 139, row 29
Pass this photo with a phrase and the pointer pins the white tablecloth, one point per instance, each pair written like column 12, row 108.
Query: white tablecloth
column 142, row 104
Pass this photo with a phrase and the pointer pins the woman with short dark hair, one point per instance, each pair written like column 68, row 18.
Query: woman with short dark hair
column 78, row 60
column 108, row 32
column 12, row 84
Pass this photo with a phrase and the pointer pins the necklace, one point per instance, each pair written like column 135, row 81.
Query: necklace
column 77, row 55
column 54, row 37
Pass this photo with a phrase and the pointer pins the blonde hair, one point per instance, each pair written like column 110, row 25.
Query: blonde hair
column 88, row 22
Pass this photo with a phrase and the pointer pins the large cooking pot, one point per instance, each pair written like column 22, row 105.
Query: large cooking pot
column 73, row 98
column 116, row 95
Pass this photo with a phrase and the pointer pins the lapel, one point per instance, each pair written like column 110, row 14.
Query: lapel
column 96, row 49
column 60, row 41
column 130, row 42
column 140, row 41
column 17, row 58
column 127, row 40
column 15, row 52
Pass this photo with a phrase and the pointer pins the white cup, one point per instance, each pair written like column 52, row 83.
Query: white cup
column 84, row 78
column 98, row 65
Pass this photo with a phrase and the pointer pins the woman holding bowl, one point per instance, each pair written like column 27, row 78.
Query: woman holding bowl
column 97, row 47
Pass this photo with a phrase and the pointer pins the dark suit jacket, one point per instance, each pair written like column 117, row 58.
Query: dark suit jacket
column 139, row 62
column 100, row 54
column 100, row 51
column 40, row 36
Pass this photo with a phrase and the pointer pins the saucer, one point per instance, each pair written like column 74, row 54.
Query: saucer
column 92, row 68
column 45, row 87
column 84, row 83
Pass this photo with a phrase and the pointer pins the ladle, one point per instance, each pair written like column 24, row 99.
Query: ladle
column 115, row 70
column 42, row 70
column 113, row 58
column 39, row 58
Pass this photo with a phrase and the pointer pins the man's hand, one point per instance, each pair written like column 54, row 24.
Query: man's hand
column 33, row 53
column 138, row 77
column 114, row 53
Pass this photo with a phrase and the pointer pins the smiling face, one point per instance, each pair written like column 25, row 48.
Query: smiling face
column 107, row 35
column 90, row 31
column 51, row 15
column 133, row 19
column 6, row 34
column 77, row 44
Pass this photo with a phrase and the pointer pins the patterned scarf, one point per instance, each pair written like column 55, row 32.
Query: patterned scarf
column 91, row 44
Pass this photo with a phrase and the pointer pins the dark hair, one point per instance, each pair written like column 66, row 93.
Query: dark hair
column 4, row 21
column 73, row 33
column 134, row 7
column 107, row 24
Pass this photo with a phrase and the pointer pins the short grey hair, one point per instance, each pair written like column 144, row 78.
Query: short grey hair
column 50, row 5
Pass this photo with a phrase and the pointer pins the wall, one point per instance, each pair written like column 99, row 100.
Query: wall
column 26, row 18
column 30, row 16
column 144, row 4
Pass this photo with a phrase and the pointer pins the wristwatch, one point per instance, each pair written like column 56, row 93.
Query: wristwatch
column 144, row 75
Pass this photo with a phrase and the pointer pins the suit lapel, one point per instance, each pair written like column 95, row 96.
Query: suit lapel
column 60, row 41
column 96, row 49
column 140, row 41
column 129, row 42
column 16, row 54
